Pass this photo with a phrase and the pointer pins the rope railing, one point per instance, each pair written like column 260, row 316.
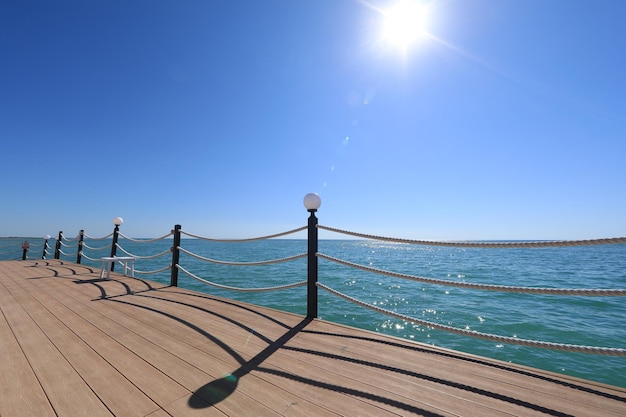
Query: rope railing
column 97, row 238
column 82, row 254
column 486, row 336
column 535, row 244
column 314, row 256
column 227, row 287
column 96, row 249
column 156, row 271
column 68, row 254
column 247, row 239
column 10, row 245
column 268, row 262
column 502, row 288
column 146, row 240
column 165, row 252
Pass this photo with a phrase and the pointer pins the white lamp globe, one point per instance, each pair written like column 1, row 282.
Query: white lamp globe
column 46, row 237
column 312, row 201
column 118, row 221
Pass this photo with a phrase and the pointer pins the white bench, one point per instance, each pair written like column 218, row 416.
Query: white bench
column 108, row 261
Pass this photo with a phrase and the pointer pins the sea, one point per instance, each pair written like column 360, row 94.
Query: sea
column 578, row 320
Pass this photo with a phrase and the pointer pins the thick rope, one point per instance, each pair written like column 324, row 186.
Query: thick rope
column 10, row 245
column 246, row 240
column 273, row 261
column 487, row 287
column 73, row 239
column 226, row 287
column 555, row 243
column 97, row 238
column 146, row 240
column 95, row 249
column 82, row 254
column 144, row 257
column 65, row 245
column 68, row 254
column 496, row 338
column 153, row 272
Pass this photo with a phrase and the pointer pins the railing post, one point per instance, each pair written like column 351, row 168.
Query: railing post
column 116, row 233
column 175, row 256
column 25, row 248
column 79, row 254
column 57, row 249
column 45, row 246
column 312, row 202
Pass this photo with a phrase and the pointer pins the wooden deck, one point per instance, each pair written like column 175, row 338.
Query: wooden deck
column 74, row 345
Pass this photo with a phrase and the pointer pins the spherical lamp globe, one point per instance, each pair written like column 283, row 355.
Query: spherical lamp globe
column 312, row 201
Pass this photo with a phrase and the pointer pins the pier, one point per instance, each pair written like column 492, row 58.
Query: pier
column 73, row 344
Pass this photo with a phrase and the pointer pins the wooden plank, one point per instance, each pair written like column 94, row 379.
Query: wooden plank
column 65, row 389
column 372, row 391
column 495, row 398
column 517, row 383
column 278, row 364
column 270, row 396
column 365, row 407
column 21, row 394
column 66, row 331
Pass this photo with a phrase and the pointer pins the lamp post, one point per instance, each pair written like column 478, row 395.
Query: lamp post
column 117, row 222
column 312, row 202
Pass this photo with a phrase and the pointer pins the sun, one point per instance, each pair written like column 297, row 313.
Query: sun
column 404, row 24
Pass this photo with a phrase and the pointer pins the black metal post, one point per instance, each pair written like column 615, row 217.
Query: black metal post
column 81, row 237
column 57, row 249
column 25, row 247
column 45, row 247
column 312, row 267
column 116, row 233
column 175, row 256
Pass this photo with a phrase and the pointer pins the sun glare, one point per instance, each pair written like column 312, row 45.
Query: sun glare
column 404, row 24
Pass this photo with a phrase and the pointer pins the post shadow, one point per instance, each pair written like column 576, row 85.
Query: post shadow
column 215, row 391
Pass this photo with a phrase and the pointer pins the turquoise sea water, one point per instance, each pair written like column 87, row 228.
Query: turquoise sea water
column 593, row 321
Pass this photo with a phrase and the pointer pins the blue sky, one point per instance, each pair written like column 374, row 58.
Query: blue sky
column 502, row 120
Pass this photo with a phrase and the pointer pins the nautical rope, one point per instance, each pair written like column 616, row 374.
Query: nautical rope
column 10, row 244
column 146, row 240
column 87, row 257
column 98, row 238
column 496, row 338
column 165, row 252
column 246, row 240
column 274, row 261
column 65, row 245
column 153, row 272
column 94, row 249
column 226, row 287
column 68, row 254
column 555, row 243
column 503, row 288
